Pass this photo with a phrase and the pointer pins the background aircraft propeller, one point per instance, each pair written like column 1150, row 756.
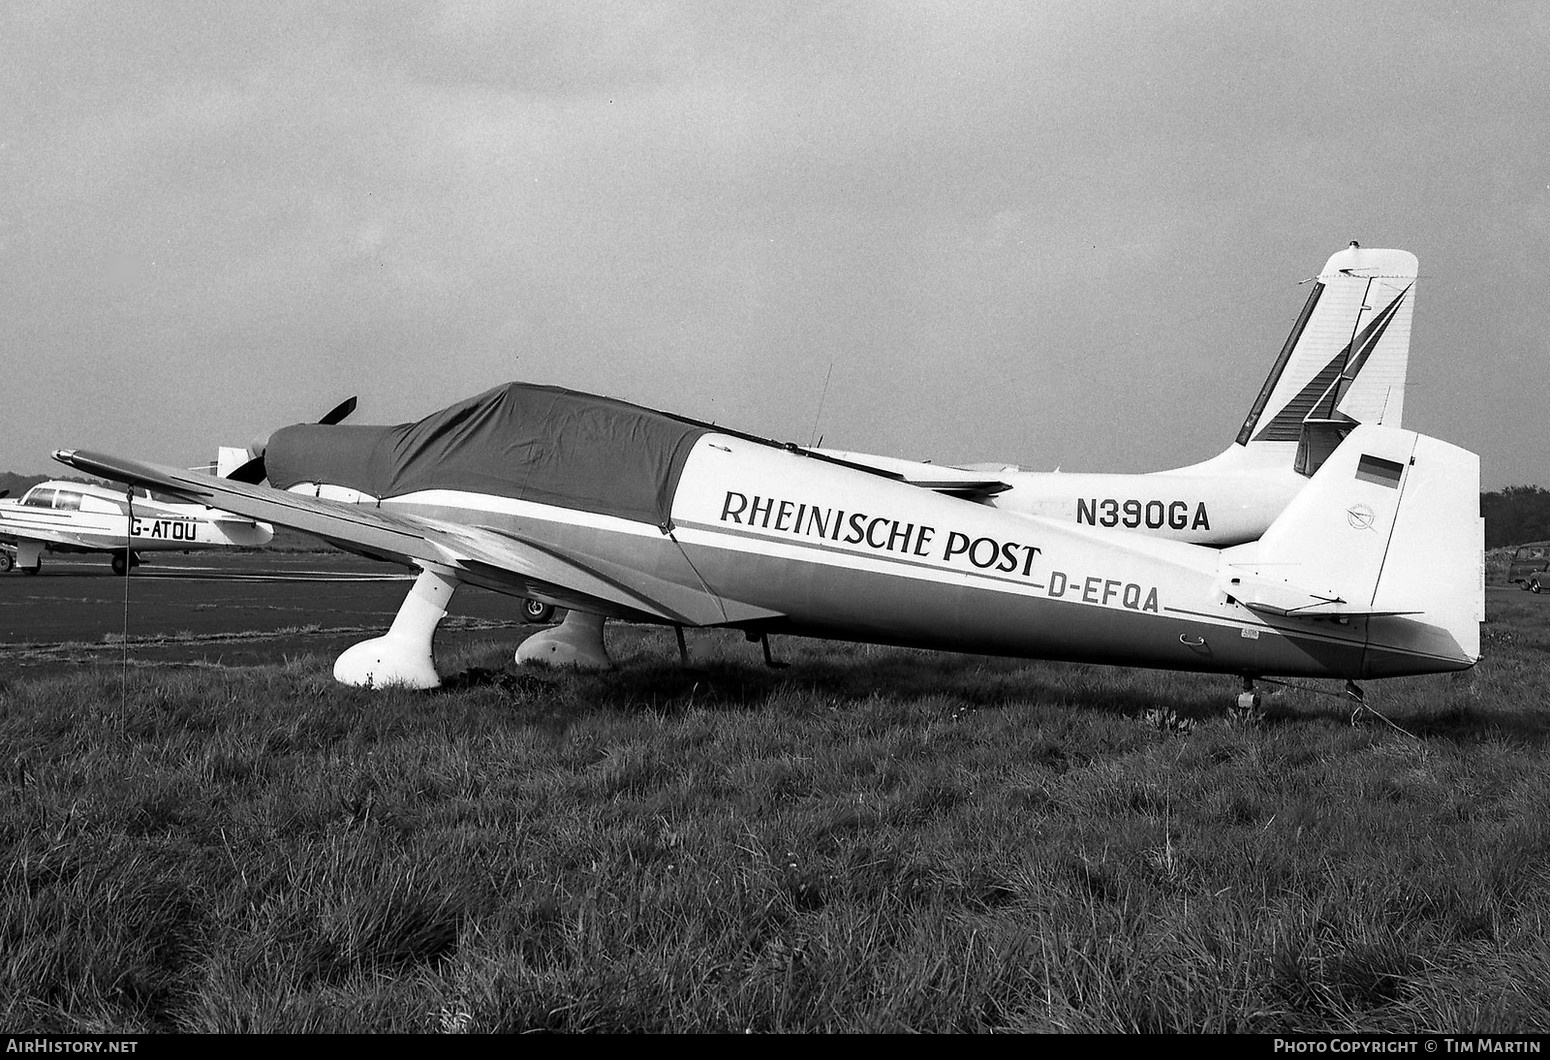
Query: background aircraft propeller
column 254, row 471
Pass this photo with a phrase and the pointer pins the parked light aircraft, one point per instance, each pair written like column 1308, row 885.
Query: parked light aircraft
column 1344, row 363
column 1373, row 569
column 61, row 516
column 80, row 517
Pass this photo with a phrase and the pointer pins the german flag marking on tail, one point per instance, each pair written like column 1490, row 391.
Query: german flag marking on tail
column 1378, row 470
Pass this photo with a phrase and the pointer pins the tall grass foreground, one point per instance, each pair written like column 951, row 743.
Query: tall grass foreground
column 872, row 839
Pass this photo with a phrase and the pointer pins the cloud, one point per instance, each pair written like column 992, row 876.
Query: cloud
column 1065, row 233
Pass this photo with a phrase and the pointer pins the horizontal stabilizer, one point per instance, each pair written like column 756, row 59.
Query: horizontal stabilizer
column 1271, row 597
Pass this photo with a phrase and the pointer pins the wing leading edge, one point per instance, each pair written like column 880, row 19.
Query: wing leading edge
column 484, row 556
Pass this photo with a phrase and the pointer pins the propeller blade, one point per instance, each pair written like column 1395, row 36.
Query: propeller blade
column 253, row 472
column 338, row 412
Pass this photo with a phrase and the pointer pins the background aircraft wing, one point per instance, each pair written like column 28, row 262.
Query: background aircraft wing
column 955, row 481
column 12, row 534
column 478, row 555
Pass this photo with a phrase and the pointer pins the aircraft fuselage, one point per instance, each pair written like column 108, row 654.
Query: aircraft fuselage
column 770, row 540
column 102, row 524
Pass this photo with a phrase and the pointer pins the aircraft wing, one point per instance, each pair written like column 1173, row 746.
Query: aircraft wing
column 13, row 534
column 478, row 555
column 954, row 481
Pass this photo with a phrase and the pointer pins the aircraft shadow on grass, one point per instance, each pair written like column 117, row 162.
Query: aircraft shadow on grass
column 965, row 684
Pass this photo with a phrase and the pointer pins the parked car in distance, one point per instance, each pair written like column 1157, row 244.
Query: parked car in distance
column 1530, row 566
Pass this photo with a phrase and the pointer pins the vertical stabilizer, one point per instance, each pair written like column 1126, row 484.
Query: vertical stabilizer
column 1387, row 532
column 1436, row 556
column 1345, row 360
column 229, row 458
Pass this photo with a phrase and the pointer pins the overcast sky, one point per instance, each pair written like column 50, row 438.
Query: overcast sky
column 1060, row 234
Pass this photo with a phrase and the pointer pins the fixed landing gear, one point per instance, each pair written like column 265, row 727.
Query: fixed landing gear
column 124, row 561
column 6, row 562
column 764, row 642
column 1249, row 699
column 403, row 655
column 537, row 612
column 577, row 641
column 1248, row 711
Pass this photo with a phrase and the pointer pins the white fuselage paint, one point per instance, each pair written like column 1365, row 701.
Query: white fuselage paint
column 1225, row 501
column 835, row 552
column 104, row 522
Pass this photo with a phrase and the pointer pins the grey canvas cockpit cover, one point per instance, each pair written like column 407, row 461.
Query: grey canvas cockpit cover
column 534, row 443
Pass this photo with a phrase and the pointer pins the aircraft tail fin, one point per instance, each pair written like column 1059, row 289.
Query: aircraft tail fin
column 1389, row 529
column 1344, row 362
column 228, row 458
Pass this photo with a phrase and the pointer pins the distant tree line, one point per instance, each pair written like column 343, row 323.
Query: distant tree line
column 1515, row 515
column 18, row 484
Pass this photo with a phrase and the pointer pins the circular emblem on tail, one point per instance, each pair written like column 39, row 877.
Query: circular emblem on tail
column 1360, row 517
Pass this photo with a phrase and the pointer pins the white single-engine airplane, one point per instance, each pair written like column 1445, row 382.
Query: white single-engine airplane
column 58, row 516
column 1344, row 363
column 1373, row 569
column 67, row 516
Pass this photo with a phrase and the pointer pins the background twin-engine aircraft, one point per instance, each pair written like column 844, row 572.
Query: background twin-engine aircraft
column 1344, row 363
column 1327, row 542
column 64, row 517
column 60, row 516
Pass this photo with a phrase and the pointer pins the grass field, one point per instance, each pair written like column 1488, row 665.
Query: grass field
column 870, row 840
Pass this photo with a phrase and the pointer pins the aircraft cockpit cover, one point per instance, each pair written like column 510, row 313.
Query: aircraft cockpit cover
column 536, row 443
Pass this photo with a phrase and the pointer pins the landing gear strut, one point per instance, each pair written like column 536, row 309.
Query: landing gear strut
column 402, row 656
column 764, row 642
